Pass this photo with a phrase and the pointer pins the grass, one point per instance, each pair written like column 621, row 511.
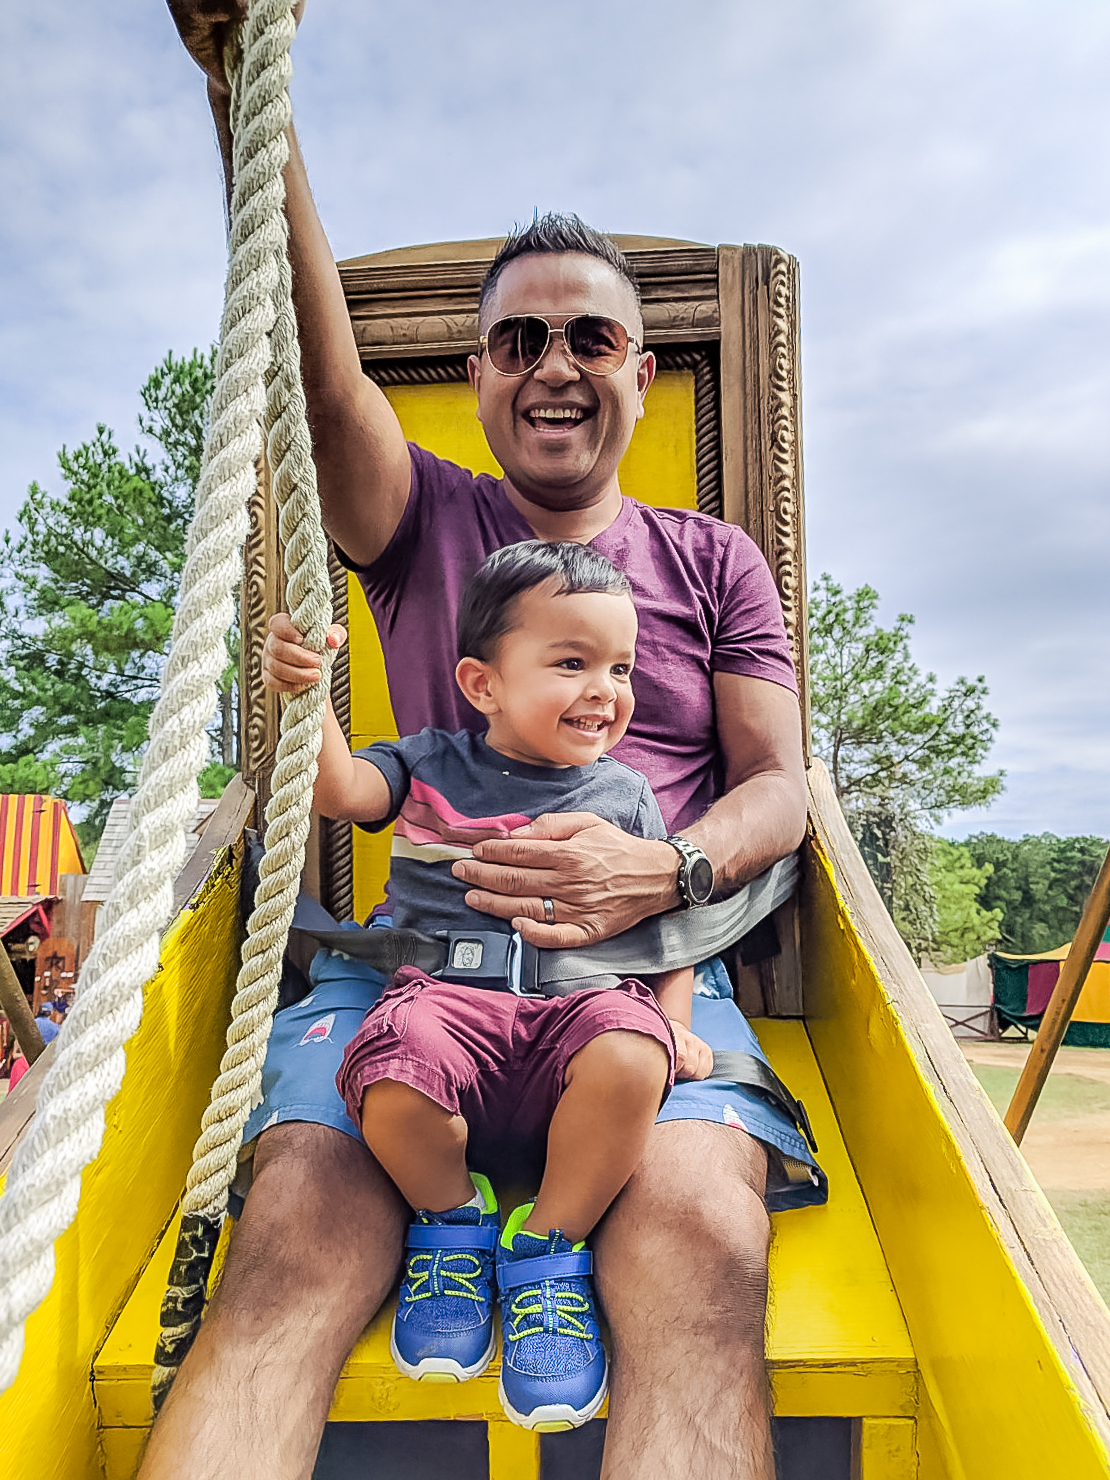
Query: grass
column 1085, row 1218
column 1064, row 1096
column 1084, row 1215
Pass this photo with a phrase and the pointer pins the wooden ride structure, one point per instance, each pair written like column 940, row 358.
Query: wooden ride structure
column 933, row 1313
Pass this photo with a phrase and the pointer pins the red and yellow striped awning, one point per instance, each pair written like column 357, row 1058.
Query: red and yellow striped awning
column 37, row 843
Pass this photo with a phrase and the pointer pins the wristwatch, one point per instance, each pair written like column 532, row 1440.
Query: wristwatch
column 695, row 872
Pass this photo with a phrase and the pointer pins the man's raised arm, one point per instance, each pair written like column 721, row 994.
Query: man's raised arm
column 362, row 460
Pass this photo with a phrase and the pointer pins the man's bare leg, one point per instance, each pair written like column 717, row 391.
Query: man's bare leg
column 315, row 1253
column 682, row 1273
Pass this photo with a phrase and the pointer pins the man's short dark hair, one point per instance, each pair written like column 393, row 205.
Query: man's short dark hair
column 486, row 609
column 555, row 232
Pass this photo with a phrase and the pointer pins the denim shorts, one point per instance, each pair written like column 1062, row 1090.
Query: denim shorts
column 309, row 1039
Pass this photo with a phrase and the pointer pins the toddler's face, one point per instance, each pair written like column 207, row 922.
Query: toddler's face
column 559, row 690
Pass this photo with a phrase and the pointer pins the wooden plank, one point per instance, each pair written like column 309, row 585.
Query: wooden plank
column 761, row 425
column 1011, row 1337
column 782, row 974
column 884, row 1449
column 14, row 1002
column 224, row 829
column 514, row 1453
column 1058, row 1014
column 121, row 1452
column 18, row 1108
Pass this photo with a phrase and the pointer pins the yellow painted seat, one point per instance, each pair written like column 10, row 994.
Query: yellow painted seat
column 837, row 1344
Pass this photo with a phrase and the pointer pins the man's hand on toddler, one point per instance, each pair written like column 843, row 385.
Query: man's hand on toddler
column 693, row 1057
column 287, row 665
column 600, row 879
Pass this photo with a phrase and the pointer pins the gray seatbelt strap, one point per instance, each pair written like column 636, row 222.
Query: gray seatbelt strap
column 682, row 938
column 736, row 1067
column 659, row 943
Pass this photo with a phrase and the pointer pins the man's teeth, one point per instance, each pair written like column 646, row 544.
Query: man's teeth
column 557, row 413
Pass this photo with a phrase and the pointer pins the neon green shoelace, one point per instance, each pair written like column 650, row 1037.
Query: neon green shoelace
column 436, row 1269
column 558, row 1310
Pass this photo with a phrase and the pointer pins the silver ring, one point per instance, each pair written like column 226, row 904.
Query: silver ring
column 548, row 911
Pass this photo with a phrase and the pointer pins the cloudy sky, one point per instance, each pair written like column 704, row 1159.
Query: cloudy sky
column 939, row 167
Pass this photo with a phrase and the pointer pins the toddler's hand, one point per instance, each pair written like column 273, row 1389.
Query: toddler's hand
column 693, row 1057
column 287, row 665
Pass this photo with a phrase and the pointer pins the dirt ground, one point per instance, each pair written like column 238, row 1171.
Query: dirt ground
column 1067, row 1144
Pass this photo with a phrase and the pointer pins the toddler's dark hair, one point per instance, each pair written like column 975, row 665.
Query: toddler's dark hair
column 485, row 612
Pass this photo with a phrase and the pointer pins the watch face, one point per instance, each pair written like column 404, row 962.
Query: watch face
column 700, row 879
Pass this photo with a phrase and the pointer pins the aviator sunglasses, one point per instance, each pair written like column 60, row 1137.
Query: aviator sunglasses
column 596, row 343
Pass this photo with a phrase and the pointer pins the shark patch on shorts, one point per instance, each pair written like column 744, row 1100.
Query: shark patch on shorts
column 731, row 1118
column 320, row 1030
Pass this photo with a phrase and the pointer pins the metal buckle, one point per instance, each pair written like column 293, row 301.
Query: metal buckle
column 490, row 959
column 479, row 958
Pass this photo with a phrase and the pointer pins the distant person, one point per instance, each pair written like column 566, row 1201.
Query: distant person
column 47, row 1019
column 47, row 1024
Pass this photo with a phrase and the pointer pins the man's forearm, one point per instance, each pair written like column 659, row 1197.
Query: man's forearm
column 751, row 827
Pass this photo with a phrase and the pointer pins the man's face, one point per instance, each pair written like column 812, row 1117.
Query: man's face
column 561, row 462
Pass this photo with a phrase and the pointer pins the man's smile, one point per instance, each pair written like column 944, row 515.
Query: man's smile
column 556, row 419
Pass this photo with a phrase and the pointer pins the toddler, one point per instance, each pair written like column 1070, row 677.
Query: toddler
column 448, row 1081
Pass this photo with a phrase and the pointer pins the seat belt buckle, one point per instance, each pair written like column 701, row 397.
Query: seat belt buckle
column 524, row 968
column 477, row 958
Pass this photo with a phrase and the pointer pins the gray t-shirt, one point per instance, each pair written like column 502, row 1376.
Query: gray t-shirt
column 452, row 791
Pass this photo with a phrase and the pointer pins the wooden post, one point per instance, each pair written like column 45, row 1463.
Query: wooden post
column 14, row 1002
column 1065, row 994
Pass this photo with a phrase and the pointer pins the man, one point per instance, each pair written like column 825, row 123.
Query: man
column 682, row 1256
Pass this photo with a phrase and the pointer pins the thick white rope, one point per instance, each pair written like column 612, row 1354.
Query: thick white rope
column 44, row 1182
column 238, row 1086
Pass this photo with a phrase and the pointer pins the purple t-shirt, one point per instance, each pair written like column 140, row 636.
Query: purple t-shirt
column 706, row 602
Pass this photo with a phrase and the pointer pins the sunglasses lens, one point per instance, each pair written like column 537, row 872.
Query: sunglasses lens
column 516, row 344
column 599, row 344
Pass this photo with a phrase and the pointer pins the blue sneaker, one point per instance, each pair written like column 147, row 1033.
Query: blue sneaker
column 554, row 1373
column 443, row 1327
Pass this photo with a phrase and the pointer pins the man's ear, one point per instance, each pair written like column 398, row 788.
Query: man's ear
column 474, row 375
column 474, row 679
column 645, row 374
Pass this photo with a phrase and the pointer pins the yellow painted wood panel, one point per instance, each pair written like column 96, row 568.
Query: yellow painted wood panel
column 122, row 1451
column 514, row 1453
column 127, row 1195
column 996, row 1396
column 884, row 1449
column 659, row 468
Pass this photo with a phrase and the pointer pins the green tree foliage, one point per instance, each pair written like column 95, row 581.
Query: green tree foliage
column 880, row 724
column 87, row 589
column 1040, row 884
column 901, row 752
column 964, row 928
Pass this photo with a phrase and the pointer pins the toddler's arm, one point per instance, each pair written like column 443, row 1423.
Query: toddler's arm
column 348, row 788
column 674, row 991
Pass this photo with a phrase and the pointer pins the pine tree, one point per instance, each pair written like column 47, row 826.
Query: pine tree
column 87, row 589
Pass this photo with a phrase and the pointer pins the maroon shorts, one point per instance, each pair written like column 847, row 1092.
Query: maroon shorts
column 496, row 1059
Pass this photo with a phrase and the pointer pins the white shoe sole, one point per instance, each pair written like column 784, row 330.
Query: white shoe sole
column 553, row 1418
column 440, row 1369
